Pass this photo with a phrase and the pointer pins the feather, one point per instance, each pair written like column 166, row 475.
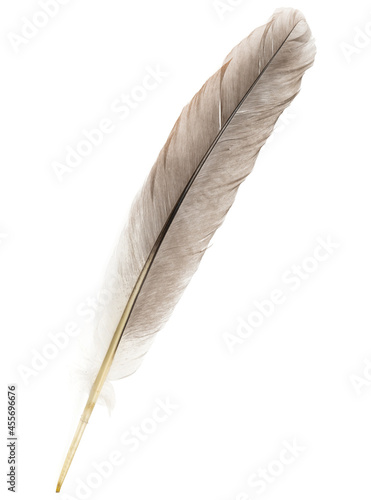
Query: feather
column 211, row 149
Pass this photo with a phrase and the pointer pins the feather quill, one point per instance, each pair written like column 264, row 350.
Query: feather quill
column 211, row 149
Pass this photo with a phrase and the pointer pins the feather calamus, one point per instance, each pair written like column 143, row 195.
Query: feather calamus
column 210, row 151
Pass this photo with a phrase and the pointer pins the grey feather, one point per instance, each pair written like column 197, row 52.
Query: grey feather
column 214, row 142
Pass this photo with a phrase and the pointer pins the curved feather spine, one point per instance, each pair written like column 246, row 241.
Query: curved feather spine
column 210, row 151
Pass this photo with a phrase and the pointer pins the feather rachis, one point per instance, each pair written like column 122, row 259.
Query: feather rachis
column 184, row 153
column 211, row 149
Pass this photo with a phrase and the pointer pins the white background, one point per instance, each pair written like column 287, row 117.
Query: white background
column 292, row 379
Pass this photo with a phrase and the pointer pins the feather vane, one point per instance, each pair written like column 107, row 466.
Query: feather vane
column 211, row 149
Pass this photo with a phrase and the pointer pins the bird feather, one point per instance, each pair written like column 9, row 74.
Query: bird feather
column 211, row 149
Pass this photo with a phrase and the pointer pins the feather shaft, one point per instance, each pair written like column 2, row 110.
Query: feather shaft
column 231, row 113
